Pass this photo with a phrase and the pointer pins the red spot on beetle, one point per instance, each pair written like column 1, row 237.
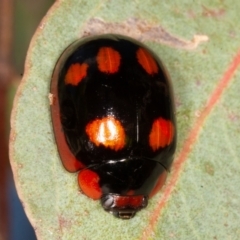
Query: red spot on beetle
column 108, row 60
column 88, row 181
column 146, row 61
column 76, row 73
column 161, row 134
column 128, row 201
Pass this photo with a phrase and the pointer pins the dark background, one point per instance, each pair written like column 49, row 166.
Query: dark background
column 18, row 22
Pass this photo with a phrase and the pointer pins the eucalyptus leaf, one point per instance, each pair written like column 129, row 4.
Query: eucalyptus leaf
column 201, row 199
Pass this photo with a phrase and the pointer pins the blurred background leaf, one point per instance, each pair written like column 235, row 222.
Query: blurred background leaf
column 204, row 181
column 18, row 22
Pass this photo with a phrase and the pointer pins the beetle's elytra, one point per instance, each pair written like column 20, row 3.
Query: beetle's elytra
column 113, row 120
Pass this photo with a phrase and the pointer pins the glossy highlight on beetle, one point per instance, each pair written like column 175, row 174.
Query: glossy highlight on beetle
column 113, row 120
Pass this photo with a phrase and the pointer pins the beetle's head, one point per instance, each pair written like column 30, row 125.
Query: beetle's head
column 123, row 207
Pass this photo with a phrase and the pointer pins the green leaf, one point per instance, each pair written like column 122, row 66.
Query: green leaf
column 202, row 195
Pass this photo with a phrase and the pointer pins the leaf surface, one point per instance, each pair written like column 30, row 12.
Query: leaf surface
column 202, row 195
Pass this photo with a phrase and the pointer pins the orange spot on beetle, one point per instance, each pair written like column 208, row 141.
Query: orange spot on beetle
column 107, row 131
column 88, row 181
column 161, row 134
column 76, row 73
column 147, row 61
column 108, row 60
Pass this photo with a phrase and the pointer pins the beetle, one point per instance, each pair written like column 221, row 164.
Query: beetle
column 113, row 120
